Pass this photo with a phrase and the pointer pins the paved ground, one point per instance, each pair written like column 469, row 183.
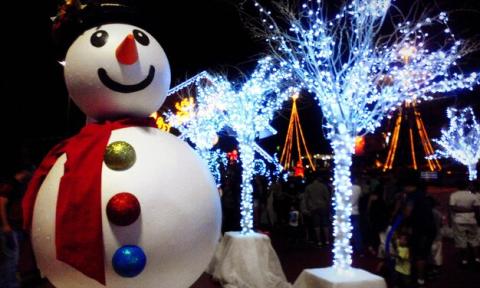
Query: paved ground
column 295, row 260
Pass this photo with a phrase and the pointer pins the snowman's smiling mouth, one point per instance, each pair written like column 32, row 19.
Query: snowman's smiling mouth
column 122, row 88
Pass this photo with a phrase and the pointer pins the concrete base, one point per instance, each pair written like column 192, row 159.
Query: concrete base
column 247, row 261
column 333, row 278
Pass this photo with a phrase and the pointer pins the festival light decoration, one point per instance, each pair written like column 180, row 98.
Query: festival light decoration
column 358, row 75
column 295, row 128
column 248, row 109
column 215, row 159
column 462, row 139
column 409, row 110
column 261, row 168
column 160, row 122
column 406, row 113
column 199, row 123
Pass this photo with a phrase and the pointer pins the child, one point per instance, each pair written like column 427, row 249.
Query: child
column 293, row 224
column 402, row 260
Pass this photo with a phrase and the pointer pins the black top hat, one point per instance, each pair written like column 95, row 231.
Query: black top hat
column 75, row 16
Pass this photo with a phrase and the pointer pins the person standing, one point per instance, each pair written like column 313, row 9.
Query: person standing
column 355, row 217
column 377, row 220
column 11, row 221
column 423, row 229
column 463, row 204
column 436, row 257
column 402, row 260
column 294, row 224
column 317, row 202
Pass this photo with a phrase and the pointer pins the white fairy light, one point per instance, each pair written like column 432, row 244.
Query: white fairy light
column 248, row 110
column 199, row 122
column 462, row 139
column 359, row 75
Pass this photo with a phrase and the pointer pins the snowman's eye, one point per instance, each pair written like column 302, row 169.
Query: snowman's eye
column 141, row 37
column 99, row 38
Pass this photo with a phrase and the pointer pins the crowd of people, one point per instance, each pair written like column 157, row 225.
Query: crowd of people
column 394, row 220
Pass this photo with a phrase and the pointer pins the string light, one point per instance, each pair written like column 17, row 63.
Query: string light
column 260, row 168
column 160, row 122
column 215, row 159
column 199, row 123
column 358, row 75
column 295, row 128
column 462, row 139
column 247, row 109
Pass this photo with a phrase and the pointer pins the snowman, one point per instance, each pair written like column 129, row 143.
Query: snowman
column 121, row 204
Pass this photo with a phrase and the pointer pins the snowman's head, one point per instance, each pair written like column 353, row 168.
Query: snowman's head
column 117, row 70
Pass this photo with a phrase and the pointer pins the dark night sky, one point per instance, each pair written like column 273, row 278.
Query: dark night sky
column 196, row 35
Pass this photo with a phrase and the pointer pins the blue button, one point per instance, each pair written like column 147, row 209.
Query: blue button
column 129, row 261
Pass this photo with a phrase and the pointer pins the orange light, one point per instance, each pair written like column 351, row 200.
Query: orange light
column 184, row 109
column 161, row 124
column 433, row 164
column 412, row 147
column 393, row 147
column 294, row 127
column 359, row 145
column 407, row 52
column 299, row 170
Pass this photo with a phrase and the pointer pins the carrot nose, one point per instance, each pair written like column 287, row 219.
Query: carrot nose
column 126, row 52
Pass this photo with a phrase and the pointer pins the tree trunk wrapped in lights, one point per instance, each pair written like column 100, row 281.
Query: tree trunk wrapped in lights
column 247, row 157
column 359, row 75
column 462, row 139
column 343, row 148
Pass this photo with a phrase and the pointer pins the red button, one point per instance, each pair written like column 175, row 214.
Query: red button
column 123, row 209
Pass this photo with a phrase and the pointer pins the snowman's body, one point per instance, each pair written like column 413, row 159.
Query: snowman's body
column 178, row 227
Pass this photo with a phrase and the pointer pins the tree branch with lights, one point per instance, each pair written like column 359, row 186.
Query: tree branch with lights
column 200, row 122
column 462, row 139
column 359, row 74
column 247, row 108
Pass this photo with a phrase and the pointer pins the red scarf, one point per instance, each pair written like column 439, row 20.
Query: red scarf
column 78, row 225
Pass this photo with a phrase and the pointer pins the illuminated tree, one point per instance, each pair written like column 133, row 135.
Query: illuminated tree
column 248, row 109
column 199, row 122
column 358, row 74
column 462, row 139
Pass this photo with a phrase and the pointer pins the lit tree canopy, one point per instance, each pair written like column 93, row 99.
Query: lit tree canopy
column 462, row 139
column 359, row 73
column 248, row 109
column 199, row 122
